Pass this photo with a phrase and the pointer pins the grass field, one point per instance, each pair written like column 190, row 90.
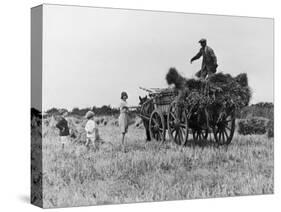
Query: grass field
column 79, row 176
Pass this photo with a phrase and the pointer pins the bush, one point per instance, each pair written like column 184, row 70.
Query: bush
column 270, row 128
column 262, row 109
column 254, row 125
column 105, row 110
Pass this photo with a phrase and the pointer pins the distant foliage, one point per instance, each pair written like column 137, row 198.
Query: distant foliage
column 262, row 109
column 79, row 112
column 55, row 111
column 36, row 118
column 254, row 125
column 35, row 113
column 52, row 111
column 105, row 110
column 270, row 129
column 257, row 119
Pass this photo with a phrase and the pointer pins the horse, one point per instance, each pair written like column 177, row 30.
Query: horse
column 145, row 111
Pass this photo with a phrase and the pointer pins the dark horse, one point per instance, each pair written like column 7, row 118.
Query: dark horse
column 145, row 112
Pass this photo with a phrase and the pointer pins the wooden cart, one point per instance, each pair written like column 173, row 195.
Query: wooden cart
column 164, row 113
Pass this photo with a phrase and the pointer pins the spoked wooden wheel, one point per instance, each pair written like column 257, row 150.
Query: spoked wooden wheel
column 177, row 126
column 200, row 134
column 224, row 129
column 157, row 128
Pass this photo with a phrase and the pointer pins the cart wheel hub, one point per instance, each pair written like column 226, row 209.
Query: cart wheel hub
column 156, row 127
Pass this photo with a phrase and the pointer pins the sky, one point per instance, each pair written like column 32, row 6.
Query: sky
column 91, row 55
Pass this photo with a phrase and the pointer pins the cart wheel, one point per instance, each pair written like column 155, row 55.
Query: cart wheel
column 224, row 129
column 200, row 134
column 177, row 127
column 157, row 126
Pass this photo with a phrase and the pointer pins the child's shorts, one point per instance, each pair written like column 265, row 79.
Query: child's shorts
column 64, row 139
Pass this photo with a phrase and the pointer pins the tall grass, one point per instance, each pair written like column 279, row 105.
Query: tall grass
column 77, row 176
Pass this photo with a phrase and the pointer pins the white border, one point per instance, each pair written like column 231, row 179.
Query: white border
column 15, row 104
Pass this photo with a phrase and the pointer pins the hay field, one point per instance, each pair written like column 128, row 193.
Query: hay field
column 77, row 176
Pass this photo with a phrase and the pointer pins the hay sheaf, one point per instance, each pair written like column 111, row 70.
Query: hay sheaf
column 223, row 88
column 235, row 89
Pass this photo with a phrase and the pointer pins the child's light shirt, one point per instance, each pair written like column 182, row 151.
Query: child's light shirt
column 91, row 129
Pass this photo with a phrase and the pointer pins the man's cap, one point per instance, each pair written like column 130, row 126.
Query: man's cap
column 203, row 40
column 89, row 114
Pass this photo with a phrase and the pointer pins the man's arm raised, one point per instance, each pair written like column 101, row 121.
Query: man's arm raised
column 196, row 57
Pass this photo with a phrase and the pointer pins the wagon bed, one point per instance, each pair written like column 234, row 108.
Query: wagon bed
column 192, row 121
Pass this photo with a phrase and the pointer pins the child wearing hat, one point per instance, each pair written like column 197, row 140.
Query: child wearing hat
column 124, row 118
column 92, row 130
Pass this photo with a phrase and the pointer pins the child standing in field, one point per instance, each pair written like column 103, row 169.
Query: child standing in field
column 62, row 125
column 92, row 130
column 124, row 118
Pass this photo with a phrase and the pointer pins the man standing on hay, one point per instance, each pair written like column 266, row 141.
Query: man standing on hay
column 209, row 62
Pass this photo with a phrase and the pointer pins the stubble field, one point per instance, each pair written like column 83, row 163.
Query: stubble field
column 148, row 171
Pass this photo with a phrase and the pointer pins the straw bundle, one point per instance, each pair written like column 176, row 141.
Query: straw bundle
column 220, row 89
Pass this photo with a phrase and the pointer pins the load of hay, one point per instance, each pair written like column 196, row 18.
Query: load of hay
column 219, row 89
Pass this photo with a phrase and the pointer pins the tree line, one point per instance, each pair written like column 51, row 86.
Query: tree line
column 105, row 110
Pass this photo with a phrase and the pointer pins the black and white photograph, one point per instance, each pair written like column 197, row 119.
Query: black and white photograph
column 131, row 106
